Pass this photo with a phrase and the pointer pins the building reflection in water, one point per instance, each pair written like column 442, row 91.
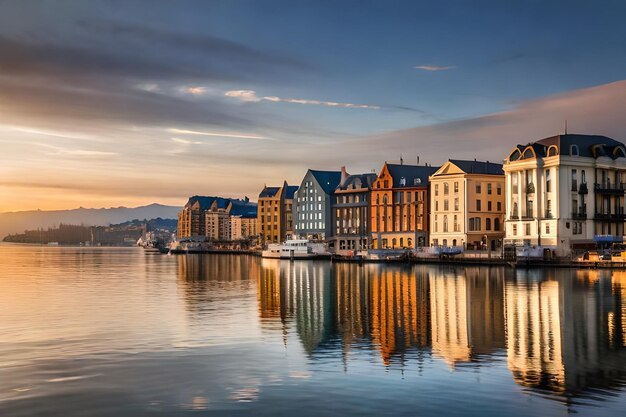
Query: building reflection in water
column 467, row 307
column 562, row 331
column 565, row 329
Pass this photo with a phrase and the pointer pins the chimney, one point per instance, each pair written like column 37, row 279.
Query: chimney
column 344, row 174
column 401, row 161
column 418, row 159
column 246, row 199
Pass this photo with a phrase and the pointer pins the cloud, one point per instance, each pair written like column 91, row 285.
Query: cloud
column 434, row 68
column 185, row 141
column 196, row 91
column 251, row 96
column 218, row 134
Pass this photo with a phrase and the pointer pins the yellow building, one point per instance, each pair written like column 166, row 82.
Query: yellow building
column 275, row 214
column 467, row 205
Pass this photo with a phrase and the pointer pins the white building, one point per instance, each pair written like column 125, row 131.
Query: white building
column 566, row 192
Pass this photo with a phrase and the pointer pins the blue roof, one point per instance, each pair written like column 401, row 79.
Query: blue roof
column 291, row 191
column 240, row 207
column 269, row 192
column 410, row 173
column 328, row 180
column 478, row 167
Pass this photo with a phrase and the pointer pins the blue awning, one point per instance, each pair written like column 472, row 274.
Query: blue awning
column 608, row 239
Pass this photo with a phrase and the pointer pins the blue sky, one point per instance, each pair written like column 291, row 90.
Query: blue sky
column 262, row 86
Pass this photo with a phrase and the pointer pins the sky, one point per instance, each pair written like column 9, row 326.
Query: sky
column 125, row 103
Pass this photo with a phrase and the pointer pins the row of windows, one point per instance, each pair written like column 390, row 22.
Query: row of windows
column 446, row 206
column 446, row 188
column 310, row 225
column 474, row 224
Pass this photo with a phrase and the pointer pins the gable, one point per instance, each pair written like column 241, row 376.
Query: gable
column 448, row 169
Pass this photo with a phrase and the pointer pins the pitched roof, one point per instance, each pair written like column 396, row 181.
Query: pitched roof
column 240, row 207
column 328, row 180
column 291, row 191
column 269, row 192
column 413, row 174
column 358, row 181
column 478, row 167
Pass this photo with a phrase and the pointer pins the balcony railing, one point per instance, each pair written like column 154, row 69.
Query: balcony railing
column 610, row 188
column 579, row 215
column 612, row 217
column 548, row 215
column 583, row 188
column 514, row 216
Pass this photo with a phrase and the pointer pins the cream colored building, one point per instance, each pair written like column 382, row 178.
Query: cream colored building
column 566, row 192
column 242, row 227
column 467, row 205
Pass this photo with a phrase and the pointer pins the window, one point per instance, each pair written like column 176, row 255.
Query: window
column 514, row 182
column 547, row 228
column 456, row 204
column 446, row 188
column 436, row 224
column 478, row 205
column 574, row 180
column 436, row 189
column 583, row 178
column 499, row 206
column 548, row 182
column 514, row 230
column 496, row 224
column 488, row 188
column 445, row 224
column 499, row 189
column 548, row 208
column 436, row 205
column 445, row 205
column 474, row 224
column 527, row 225
column 456, row 186
column 456, row 224
column 488, row 205
column 488, row 223
column 478, row 189
column 573, row 150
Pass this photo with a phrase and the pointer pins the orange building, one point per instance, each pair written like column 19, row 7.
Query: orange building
column 400, row 206
column 275, row 213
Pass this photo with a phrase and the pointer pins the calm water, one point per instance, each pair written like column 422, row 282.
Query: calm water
column 120, row 332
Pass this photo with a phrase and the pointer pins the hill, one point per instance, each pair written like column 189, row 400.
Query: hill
column 19, row 221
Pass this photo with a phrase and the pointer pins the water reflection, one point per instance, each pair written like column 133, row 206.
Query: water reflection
column 561, row 331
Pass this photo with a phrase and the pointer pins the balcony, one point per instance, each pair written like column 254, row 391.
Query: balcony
column 610, row 188
column 583, row 189
column 514, row 216
column 579, row 215
column 530, row 188
column 610, row 217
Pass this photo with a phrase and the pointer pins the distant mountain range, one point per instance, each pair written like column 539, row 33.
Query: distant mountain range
column 19, row 221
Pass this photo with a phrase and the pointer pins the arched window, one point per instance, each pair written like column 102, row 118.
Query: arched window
column 528, row 153
column 488, row 223
column 553, row 151
column 496, row 224
column 385, row 199
column 573, row 150
column 453, row 242
column 393, row 242
column 409, row 242
column 515, row 155
column 445, row 242
column 619, row 152
column 401, row 242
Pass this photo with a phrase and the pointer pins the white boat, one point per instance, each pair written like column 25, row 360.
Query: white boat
column 291, row 249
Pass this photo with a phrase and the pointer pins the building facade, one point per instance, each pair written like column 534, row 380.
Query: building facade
column 566, row 192
column 275, row 214
column 314, row 201
column 243, row 227
column 399, row 206
column 210, row 216
column 467, row 202
column 351, row 213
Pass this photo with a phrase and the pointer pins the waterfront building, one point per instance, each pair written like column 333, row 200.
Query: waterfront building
column 275, row 214
column 314, row 200
column 210, row 216
column 243, row 226
column 566, row 192
column 351, row 213
column 467, row 200
column 400, row 206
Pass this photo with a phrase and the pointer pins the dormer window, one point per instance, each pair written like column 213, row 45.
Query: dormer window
column 402, row 182
column 573, row 150
column 417, row 181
